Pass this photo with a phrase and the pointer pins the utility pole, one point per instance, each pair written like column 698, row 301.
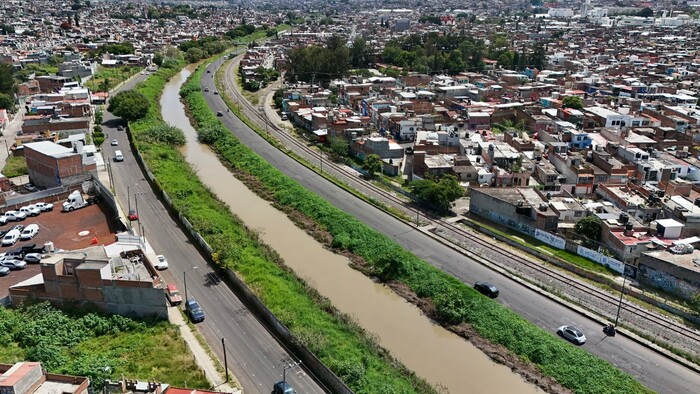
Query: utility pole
column 622, row 293
column 223, row 344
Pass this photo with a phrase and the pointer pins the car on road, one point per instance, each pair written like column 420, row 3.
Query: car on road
column 120, row 128
column 30, row 187
column 216, row 92
column 173, row 295
column 115, row 142
column 208, row 71
column 44, row 206
column 15, row 216
column 13, row 263
column 118, row 156
column 32, row 258
column 219, row 113
column 486, row 289
column 284, row 116
column 133, row 215
column 30, row 210
column 161, row 263
column 572, row 333
column 206, row 90
column 283, row 388
column 10, row 238
column 29, row 232
column 4, row 271
column 194, row 311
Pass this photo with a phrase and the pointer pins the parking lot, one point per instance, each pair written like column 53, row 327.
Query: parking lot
column 67, row 230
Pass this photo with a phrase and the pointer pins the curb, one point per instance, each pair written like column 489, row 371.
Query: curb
column 581, row 311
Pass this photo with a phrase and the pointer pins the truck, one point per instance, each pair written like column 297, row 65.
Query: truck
column 75, row 201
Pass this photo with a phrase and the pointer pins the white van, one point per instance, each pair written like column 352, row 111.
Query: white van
column 118, row 156
column 11, row 238
column 29, row 232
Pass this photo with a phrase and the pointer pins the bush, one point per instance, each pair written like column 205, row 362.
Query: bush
column 166, row 134
column 129, row 105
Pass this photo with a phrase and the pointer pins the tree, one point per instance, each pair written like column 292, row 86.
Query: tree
column 8, row 85
column 158, row 59
column 438, row 195
column 589, row 227
column 574, row 102
column 646, row 12
column 194, row 55
column 339, row 147
column 372, row 164
column 6, row 101
column 129, row 105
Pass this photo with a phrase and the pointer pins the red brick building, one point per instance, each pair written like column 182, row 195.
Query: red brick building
column 50, row 164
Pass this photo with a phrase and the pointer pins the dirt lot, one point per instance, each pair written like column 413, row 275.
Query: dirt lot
column 64, row 229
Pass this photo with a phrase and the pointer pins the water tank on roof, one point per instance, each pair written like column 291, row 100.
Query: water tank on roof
column 629, row 227
column 624, row 218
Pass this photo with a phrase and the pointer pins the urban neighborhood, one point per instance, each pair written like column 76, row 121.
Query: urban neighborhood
column 362, row 196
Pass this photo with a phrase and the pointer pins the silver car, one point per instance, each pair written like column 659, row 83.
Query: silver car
column 573, row 334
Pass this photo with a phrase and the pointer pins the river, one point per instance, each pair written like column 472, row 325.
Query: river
column 429, row 350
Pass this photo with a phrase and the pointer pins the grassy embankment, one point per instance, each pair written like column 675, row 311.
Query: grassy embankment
column 110, row 77
column 334, row 338
column 97, row 347
column 15, row 166
column 455, row 303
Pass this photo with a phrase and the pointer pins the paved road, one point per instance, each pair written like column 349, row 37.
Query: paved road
column 650, row 368
column 254, row 356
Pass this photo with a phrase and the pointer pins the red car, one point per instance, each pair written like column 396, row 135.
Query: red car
column 133, row 215
column 173, row 295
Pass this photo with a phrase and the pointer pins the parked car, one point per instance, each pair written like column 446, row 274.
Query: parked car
column 120, row 128
column 30, row 187
column 115, row 142
column 284, row 116
column 173, row 295
column 4, row 271
column 3, row 219
column 29, row 232
column 486, row 289
column 15, row 216
column 162, row 263
column 30, row 210
column 18, row 227
column 12, row 263
column 14, row 253
column 33, row 258
column 44, row 206
column 10, row 238
column 194, row 311
column 32, row 248
column 283, row 388
column 133, row 215
column 572, row 333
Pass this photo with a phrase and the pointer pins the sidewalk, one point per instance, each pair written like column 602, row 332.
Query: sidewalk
column 201, row 356
column 9, row 135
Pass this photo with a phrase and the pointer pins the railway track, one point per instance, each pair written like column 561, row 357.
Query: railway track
column 407, row 206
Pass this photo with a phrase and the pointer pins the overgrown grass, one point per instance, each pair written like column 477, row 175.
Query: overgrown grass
column 113, row 77
column 573, row 367
column 15, row 166
column 99, row 347
column 338, row 342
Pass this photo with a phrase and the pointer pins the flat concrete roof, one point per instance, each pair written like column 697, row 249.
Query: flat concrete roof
column 49, row 148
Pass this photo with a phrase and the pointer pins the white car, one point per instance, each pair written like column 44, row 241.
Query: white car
column 13, row 264
column 115, row 142
column 29, row 232
column 162, row 262
column 15, row 216
column 30, row 187
column 32, row 257
column 572, row 333
column 4, row 271
column 44, row 206
column 30, row 210
column 11, row 238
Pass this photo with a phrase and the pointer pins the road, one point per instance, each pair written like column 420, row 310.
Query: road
column 254, row 356
column 650, row 368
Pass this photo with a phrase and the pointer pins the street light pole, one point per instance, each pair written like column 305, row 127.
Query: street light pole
column 622, row 292
column 128, row 195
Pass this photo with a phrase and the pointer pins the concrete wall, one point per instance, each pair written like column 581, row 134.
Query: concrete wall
column 135, row 301
column 500, row 212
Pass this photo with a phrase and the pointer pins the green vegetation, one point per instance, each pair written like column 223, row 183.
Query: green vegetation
column 437, row 194
column 455, row 302
column 203, row 48
column 6, row 101
column 332, row 337
column 319, row 64
column 589, row 227
column 15, row 166
column 130, row 105
column 107, row 78
column 372, row 164
column 96, row 346
column 574, row 102
column 263, row 77
column 98, row 135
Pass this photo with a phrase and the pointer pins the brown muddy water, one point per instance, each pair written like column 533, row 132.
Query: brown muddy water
column 429, row 350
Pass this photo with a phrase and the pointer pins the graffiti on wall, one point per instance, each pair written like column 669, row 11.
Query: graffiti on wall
column 667, row 282
column 613, row 264
column 550, row 239
column 506, row 221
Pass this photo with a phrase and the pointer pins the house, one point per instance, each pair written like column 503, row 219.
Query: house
column 125, row 284
column 675, row 271
column 522, row 209
column 30, row 378
column 50, row 164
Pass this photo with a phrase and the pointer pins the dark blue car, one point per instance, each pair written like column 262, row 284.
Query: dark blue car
column 195, row 311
